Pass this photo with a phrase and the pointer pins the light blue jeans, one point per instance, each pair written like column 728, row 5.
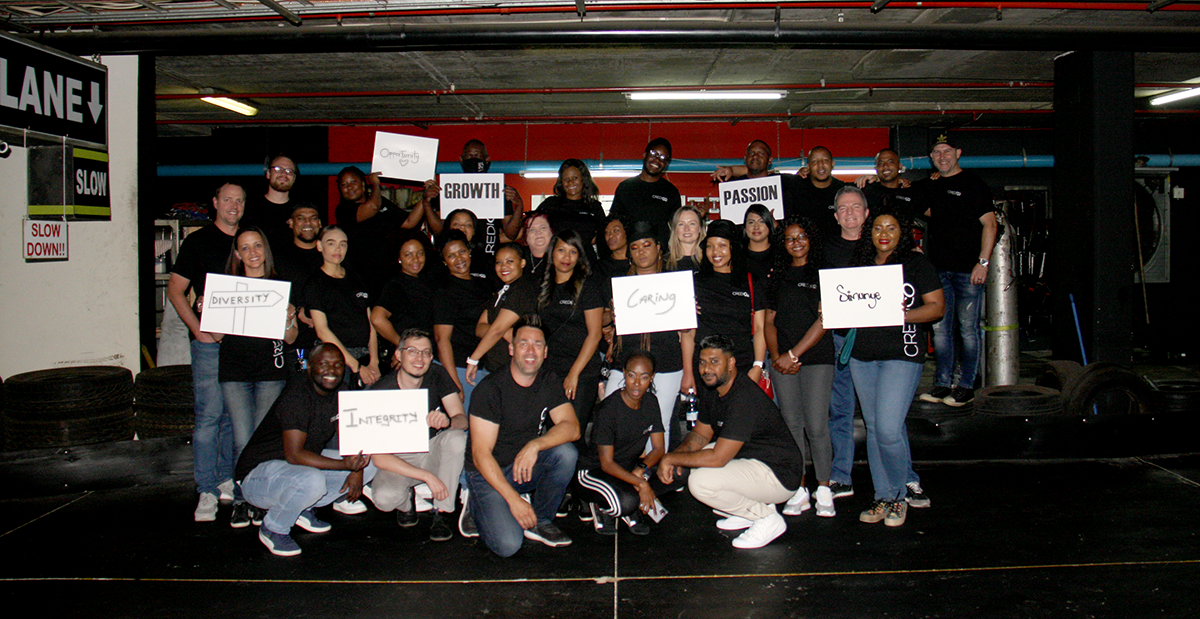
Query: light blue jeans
column 886, row 389
column 212, row 437
column 285, row 490
column 963, row 300
column 247, row 404
column 841, row 419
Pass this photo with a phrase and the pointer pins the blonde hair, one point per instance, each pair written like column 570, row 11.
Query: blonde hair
column 674, row 247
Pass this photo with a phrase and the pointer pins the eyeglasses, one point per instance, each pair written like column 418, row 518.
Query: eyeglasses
column 412, row 351
column 283, row 170
column 657, row 155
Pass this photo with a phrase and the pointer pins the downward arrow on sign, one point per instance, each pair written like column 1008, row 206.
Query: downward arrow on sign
column 94, row 103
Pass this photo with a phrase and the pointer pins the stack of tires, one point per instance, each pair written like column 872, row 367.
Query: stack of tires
column 68, row 406
column 1175, row 396
column 163, row 396
column 1097, row 388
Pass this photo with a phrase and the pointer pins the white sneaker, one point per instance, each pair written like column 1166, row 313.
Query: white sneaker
column 350, row 507
column 226, row 488
column 734, row 523
column 369, row 493
column 762, row 532
column 798, row 503
column 206, row 509
column 824, row 497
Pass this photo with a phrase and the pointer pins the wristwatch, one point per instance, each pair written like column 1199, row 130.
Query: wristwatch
column 984, row 262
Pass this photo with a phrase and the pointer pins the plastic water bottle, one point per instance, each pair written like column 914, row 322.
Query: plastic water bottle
column 692, row 414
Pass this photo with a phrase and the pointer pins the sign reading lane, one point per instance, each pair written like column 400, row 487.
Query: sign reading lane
column 51, row 92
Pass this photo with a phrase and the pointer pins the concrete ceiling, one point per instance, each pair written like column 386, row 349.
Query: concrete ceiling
column 396, row 62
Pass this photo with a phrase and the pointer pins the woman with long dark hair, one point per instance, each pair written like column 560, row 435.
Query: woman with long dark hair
column 801, row 355
column 758, row 229
column 886, row 362
column 510, row 268
column 729, row 301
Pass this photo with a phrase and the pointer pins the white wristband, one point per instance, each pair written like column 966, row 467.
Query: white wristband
column 472, row 362
column 758, row 364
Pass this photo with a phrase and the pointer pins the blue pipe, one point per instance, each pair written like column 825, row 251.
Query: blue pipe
column 678, row 165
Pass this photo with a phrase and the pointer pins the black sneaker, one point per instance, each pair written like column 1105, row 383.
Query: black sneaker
column 602, row 522
column 406, row 519
column 256, row 515
column 565, row 508
column 240, row 518
column 439, row 531
column 959, row 396
column 548, row 534
column 841, row 490
column 637, row 525
column 937, row 394
column 915, row 495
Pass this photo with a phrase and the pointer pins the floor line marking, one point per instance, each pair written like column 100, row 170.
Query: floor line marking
column 606, row 580
column 64, row 505
column 1185, row 479
column 616, row 569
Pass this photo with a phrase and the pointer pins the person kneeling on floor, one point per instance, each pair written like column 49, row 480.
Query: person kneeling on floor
column 520, row 442
column 754, row 462
column 285, row 469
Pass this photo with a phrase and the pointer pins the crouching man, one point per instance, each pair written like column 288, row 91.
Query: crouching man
column 754, row 462
column 285, row 469
column 522, row 427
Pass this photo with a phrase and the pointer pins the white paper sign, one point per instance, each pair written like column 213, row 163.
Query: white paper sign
column 385, row 421
column 247, row 306
column 404, row 157
column 651, row 303
column 737, row 196
column 482, row 194
column 44, row 240
column 863, row 297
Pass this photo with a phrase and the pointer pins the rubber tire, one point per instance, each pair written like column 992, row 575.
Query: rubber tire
column 112, row 425
column 1058, row 373
column 1098, row 379
column 937, row 412
column 64, row 394
column 1175, row 396
column 168, row 385
column 1018, row 401
column 164, row 421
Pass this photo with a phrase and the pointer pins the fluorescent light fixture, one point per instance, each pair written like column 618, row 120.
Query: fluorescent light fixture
column 231, row 105
column 595, row 174
column 1175, row 96
column 705, row 95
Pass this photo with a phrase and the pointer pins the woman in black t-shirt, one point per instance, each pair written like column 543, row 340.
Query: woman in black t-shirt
column 886, row 363
column 510, row 268
column 340, row 308
column 406, row 301
column 466, row 222
column 728, row 301
column 758, row 230
column 460, row 300
column 801, row 355
column 537, row 234
column 684, row 248
column 574, row 205
column 616, row 240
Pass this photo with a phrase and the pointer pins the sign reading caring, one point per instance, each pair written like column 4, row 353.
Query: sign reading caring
column 386, row 421
column 862, row 297
column 651, row 303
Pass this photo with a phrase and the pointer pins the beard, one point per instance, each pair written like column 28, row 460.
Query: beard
column 282, row 184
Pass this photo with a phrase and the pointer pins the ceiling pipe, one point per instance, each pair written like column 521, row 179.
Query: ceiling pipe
column 993, row 162
column 287, row 15
column 601, row 34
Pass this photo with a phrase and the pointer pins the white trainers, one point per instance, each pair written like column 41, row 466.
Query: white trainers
column 762, row 532
column 734, row 523
column 824, row 498
column 206, row 509
column 350, row 507
column 798, row 503
column 226, row 488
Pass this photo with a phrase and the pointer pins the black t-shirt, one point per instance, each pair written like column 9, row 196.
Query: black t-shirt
column 203, row 251
column 664, row 345
column 436, row 382
column 636, row 200
column 566, row 325
column 299, row 407
column 725, row 309
column 907, row 202
column 583, row 216
column 759, row 264
column 796, row 303
column 625, row 429
column 523, row 413
column 907, row 343
column 498, row 358
column 459, row 304
column 411, row 301
column 747, row 415
column 816, row 203
column 374, row 244
column 839, row 253
column 251, row 360
column 269, row 217
column 344, row 302
column 954, row 231
column 297, row 265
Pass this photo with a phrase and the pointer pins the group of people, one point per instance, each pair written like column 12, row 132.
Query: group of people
column 536, row 408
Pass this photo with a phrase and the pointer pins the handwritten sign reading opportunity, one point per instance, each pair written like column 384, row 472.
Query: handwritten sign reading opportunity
column 246, row 306
column 386, row 421
column 863, row 297
column 404, row 157
column 482, row 194
column 651, row 303
column 737, row 196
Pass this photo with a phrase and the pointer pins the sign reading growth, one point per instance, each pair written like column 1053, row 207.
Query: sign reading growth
column 51, row 92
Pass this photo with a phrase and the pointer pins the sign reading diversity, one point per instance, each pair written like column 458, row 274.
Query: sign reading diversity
column 863, row 297
column 387, row 421
column 247, row 306
column 737, row 196
column 404, row 157
column 482, row 194
column 651, row 303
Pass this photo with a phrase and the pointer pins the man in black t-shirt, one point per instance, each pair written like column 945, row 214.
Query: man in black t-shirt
column 816, row 192
column 295, row 261
column 439, row 467
column 285, row 468
column 753, row 465
column 891, row 192
column 522, row 428
column 206, row 251
column 490, row 233
column 649, row 196
column 270, row 211
column 373, row 226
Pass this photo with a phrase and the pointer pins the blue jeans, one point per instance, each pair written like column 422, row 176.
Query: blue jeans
column 212, row 438
column 285, row 490
column 497, row 527
column 962, row 314
column 841, row 419
column 247, row 404
column 886, row 390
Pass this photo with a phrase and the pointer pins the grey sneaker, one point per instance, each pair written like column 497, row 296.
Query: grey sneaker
column 548, row 534
column 309, row 522
column 466, row 522
column 875, row 513
column 914, row 495
column 937, row 394
column 226, row 490
column 206, row 507
column 278, row 543
column 897, row 512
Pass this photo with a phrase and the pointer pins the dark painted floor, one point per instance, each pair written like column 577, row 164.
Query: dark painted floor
column 1092, row 538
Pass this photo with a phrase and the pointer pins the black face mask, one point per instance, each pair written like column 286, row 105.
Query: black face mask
column 475, row 166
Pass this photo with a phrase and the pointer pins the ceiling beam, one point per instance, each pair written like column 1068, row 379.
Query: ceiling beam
column 1159, row 4
column 77, row 7
column 225, row 3
column 287, row 15
column 150, row 5
column 878, row 5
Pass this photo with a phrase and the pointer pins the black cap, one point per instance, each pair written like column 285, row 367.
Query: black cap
column 641, row 230
column 945, row 138
column 723, row 228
